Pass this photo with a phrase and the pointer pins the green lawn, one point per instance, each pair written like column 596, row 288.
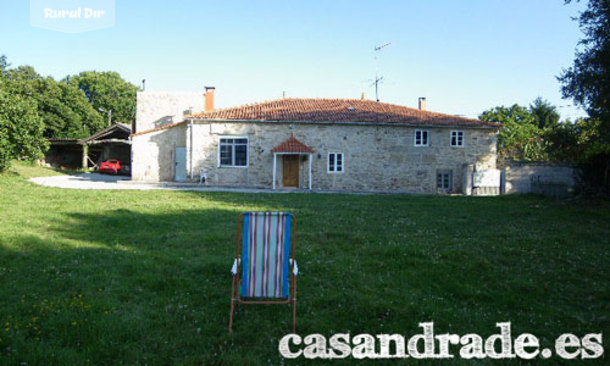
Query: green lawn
column 142, row 277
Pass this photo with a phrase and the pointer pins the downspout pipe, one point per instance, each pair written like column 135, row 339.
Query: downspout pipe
column 191, row 149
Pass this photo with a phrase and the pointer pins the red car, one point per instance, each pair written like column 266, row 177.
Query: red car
column 111, row 166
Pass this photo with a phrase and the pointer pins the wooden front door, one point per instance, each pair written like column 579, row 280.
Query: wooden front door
column 290, row 170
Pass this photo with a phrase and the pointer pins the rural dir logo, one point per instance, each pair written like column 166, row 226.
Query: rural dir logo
column 72, row 16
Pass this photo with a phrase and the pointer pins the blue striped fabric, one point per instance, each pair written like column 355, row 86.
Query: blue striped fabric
column 265, row 254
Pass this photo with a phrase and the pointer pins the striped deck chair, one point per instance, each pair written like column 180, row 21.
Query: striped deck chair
column 264, row 270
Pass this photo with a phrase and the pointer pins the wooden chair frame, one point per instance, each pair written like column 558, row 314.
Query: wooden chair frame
column 235, row 296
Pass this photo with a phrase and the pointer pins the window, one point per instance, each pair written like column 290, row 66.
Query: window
column 233, row 151
column 421, row 138
column 444, row 181
column 457, row 138
column 335, row 162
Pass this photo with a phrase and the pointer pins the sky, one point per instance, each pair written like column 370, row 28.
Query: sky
column 463, row 56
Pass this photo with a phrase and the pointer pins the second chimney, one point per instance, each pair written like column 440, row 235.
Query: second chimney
column 422, row 103
column 209, row 98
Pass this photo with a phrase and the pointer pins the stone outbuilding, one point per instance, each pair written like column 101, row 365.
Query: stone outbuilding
column 303, row 143
column 113, row 142
column 64, row 153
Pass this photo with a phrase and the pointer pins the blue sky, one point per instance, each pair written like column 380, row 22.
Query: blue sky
column 463, row 56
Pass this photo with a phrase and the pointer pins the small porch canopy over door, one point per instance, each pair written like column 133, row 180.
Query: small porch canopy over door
column 291, row 146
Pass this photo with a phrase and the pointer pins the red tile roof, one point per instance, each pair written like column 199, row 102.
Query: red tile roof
column 292, row 145
column 338, row 110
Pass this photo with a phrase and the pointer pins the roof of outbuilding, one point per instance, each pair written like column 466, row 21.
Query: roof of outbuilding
column 117, row 126
column 63, row 141
column 338, row 110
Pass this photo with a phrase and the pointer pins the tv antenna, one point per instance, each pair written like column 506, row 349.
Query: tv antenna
column 378, row 78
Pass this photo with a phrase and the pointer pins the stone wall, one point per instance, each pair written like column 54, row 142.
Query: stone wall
column 530, row 177
column 377, row 158
column 156, row 108
column 153, row 154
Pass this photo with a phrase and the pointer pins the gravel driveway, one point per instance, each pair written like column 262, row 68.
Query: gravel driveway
column 88, row 181
column 106, row 181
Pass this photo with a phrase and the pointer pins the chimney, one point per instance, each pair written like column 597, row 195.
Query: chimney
column 422, row 103
column 209, row 98
column 362, row 96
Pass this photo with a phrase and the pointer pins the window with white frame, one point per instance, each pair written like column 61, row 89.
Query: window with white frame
column 233, row 151
column 421, row 137
column 444, row 181
column 335, row 162
column 457, row 138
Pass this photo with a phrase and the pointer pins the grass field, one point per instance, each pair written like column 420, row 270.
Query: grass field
column 142, row 277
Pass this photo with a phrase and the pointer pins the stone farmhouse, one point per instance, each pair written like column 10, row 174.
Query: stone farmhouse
column 302, row 143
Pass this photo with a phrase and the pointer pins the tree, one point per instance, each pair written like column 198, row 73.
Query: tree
column 587, row 82
column 545, row 114
column 107, row 91
column 64, row 108
column 3, row 63
column 90, row 120
column 570, row 141
column 21, row 128
column 520, row 138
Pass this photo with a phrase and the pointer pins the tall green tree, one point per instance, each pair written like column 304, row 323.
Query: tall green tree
column 3, row 63
column 545, row 114
column 587, row 82
column 571, row 141
column 107, row 91
column 21, row 128
column 64, row 108
column 90, row 120
column 520, row 138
